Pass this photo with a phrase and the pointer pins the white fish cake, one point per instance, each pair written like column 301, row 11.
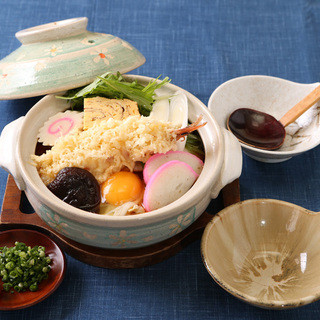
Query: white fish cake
column 59, row 125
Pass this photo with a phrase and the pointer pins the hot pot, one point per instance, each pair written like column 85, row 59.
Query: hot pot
column 223, row 164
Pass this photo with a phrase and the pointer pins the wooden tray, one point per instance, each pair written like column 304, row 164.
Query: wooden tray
column 13, row 218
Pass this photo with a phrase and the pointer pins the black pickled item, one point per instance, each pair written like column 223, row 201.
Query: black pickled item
column 257, row 129
column 77, row 187
column 41, row 149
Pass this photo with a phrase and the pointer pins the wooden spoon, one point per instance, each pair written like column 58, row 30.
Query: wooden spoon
column 263, row 131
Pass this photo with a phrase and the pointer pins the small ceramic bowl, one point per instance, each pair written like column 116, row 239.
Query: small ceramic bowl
column 265, row 252
column 274, row 96
column 223, row 163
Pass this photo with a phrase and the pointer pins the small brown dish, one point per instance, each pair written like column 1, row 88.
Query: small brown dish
column 14, row 301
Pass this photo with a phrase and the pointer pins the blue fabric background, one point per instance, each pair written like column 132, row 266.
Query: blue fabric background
column 199, row 44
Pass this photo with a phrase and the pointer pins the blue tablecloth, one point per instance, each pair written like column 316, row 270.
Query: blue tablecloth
column 199, row 45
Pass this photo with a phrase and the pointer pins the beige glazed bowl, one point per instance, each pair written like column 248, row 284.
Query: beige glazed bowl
column 265, row 252
column 223, row 163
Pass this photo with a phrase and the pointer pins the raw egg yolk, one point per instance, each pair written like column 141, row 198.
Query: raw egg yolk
column 122, row 187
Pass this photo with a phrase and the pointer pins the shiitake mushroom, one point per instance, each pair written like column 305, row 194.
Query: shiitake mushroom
column 77, row 187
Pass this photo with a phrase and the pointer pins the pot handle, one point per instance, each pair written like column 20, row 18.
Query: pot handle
column 232, row 165
column 8, row 150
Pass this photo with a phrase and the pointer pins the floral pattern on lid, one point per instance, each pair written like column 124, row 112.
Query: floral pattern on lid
column 44, row 64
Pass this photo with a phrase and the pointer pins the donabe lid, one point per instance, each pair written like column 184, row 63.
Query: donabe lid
column 62, row 55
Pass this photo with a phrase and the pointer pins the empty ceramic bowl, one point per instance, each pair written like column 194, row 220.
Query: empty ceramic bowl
column 265, row 252
column 274, row 96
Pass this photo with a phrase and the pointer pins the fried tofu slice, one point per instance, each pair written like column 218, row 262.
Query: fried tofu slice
column 100, row 108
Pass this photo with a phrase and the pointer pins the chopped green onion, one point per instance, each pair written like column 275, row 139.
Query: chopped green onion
column 33, row 287
column 22, row 267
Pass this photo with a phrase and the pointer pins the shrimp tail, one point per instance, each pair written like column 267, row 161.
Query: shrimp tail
column 183, row 132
